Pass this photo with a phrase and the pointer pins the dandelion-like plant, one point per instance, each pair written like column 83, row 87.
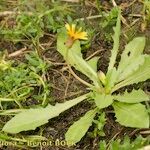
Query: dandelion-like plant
column 74, row 34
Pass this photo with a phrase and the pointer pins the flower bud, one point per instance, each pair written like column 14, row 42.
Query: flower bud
column 102, row 77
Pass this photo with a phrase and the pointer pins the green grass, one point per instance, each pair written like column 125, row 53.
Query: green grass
column 24, row 81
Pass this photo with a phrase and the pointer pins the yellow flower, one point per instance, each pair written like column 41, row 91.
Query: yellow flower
column 75, row 35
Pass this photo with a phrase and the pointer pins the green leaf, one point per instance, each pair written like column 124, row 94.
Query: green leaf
column 111, row 75
column 131, row 115
column 100, row 123
column 63, row 49
column 80, row 127
column 103, row 100
column 135, row 96
column 93, row 63
column 109, row 19
column 132, row 50
column 32, row 118
column 116, row 43
column 131, row 57
column 125, row 144
column 73, row 56
column 133, row 66
column 6, row 99
column 111, row 78
column 102, row 145
column 142, row 74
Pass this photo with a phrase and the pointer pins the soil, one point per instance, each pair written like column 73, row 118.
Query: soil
column 65, row 86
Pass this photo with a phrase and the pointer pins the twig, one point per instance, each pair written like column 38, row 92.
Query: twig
column 131, row 3
column 8, row 13
column 98, row 51
column 16, row 53
column 90, row 17
column 72, row 1
column 135, row 15
column 54, row 87
column 146, row 132
column 79, row 1
column 114, row 3
column 60, row 74
column 134, row 22
column 122, row 18
column 67, row 86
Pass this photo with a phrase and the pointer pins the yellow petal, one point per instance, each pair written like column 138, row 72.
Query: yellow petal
column 80, row 29
column 73, row 28
column 67, row 26
column 81, row 35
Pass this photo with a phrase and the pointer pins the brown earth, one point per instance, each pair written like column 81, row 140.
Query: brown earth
column 65, row 86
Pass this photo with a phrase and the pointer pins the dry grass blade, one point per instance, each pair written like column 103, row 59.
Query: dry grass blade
column 72, row 1
column 17, row 53
column 8, row 13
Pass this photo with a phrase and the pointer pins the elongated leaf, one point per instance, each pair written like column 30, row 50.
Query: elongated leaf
column 112, row 75
column 131, row 58
column 135, row 96
column 80, row 127
column 131, row 67
column 73, row 56
column 131, row 115
column 63, row 49
column 86, row 69
column 10, row 111
column 142, row 74
column 6, row 99
column 116, row 43
column 93, row 63
column 111, row 78
column 103, row 100
column 133, row 50
column 33, row 118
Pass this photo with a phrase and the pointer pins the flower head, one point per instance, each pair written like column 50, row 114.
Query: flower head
column 75, row 34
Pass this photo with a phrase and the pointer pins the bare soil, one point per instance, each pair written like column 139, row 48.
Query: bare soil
column 65, row 86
